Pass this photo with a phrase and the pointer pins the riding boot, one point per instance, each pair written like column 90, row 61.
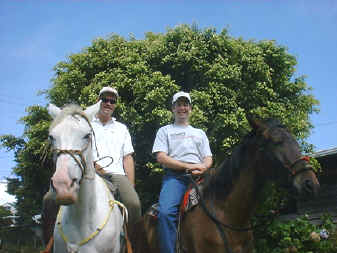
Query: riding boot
column 49, row 214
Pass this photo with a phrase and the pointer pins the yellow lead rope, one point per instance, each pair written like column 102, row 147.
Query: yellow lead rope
column 99, row 229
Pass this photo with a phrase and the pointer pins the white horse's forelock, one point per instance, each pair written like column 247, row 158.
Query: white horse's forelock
column 67, row 110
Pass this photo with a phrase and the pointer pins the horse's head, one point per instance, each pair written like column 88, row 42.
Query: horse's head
column 284, row 158
column 70, row 136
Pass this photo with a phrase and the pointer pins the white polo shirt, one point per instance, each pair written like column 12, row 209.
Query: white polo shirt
column 112, row 139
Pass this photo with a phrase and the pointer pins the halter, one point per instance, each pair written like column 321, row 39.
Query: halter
column 81, row 163
column 76, row 152
column 291, row 168
column 73, row 152
column 294, row 172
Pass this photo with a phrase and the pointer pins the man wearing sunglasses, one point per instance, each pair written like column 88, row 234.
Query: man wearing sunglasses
column 113, row 140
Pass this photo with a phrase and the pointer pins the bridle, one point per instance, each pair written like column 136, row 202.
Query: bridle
column 81, row 163
column 294, row 172
column 75, row 153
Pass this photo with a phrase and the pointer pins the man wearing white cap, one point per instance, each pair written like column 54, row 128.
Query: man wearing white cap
column 180, row 149
column 113, row 140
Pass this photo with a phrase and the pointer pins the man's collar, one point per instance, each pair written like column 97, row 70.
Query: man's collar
column 96, row 119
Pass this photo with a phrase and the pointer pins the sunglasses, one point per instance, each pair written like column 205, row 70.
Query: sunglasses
column 111, row 101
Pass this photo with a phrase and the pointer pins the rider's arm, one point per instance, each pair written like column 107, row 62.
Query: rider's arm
column 208, row 161
column 168, row 162
column 196, row 168
column 129, row 167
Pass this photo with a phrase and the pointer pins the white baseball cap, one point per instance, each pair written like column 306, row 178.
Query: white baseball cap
column 181, row 94
column 109, row 90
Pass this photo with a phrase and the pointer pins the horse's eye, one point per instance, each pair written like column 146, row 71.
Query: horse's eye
column 276, row 139
column 87, row 136
column 278, row 142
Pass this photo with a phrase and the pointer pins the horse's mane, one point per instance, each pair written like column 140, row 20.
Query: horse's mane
column 221, row 181
column 70, row 109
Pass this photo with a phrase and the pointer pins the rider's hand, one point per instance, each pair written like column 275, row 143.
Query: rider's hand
column 99, row 169
column 196, row 169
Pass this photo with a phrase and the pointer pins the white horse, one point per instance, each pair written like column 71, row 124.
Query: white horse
column 89, row 219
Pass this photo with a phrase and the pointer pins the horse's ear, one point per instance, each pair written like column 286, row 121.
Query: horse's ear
column 257, row 124
column 92, row 110
column 53, row 110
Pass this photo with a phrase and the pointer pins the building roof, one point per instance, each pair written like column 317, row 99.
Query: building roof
column 327, row 152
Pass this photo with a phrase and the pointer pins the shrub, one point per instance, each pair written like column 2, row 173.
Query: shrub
column 298, row 235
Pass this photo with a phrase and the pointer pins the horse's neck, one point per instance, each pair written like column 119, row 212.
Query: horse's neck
column 92, row 203
column 242, row 201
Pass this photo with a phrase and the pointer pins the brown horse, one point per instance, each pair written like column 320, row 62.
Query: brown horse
column 221, row 221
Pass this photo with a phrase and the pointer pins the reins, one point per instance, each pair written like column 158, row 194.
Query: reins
column 211, row 215
column 112, row 203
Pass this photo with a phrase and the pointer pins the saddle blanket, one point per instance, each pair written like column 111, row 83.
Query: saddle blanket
column 191, row 199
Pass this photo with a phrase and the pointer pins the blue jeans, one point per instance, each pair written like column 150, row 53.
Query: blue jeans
column 173, row 188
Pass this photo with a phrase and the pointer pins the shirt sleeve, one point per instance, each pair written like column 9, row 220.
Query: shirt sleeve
column 161, row 141
column 127, row 147
column 205, row 148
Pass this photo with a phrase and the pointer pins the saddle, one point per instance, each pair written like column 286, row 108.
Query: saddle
column 190, row 200
column 113, row 188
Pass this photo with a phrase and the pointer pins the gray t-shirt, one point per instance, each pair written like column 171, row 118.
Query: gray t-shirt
column 183, row 143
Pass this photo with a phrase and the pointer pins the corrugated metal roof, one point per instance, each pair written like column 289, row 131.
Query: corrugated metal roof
column 326, row 152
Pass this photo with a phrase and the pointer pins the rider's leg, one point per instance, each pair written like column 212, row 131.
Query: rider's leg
column 129, row 197
column 172, row 191
column 49, row 213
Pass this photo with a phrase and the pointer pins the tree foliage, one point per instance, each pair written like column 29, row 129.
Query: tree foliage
column 5, row 212
column 228, row 79
column 33, row 173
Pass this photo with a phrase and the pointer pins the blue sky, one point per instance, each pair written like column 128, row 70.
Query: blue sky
column 36, row 35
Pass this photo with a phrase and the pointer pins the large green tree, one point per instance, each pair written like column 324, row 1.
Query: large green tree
column 228, row 79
